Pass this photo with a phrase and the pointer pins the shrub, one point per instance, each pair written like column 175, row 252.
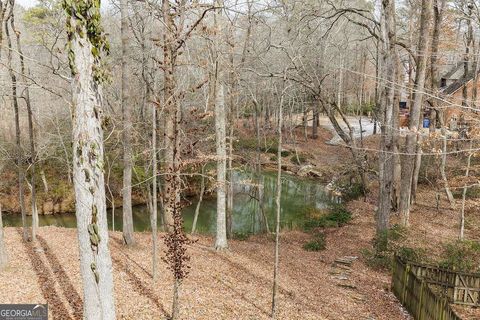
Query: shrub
column 411, row 254
column 286, row 153
column 302, row 159
column 353, row 191
column 242, row 236
column 337, row 216
column 461, row 256
column 377, row 260
column 317, row 244
column 386, row 245
column 348, row 189
column 397, row 233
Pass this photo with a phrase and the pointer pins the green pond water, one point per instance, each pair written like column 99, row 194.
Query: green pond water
column 297, row 196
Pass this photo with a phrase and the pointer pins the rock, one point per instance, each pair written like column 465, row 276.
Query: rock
column 308, row 171
column 341, row 272
column 346, row 261
column 358, row 297
column 342, row 266
column 347, row 285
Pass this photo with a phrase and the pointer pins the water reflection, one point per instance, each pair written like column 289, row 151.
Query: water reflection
column 297, row 195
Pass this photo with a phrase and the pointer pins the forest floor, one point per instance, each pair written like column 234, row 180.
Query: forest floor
column 236, row 284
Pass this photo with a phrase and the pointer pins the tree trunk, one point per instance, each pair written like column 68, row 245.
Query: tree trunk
column 128, row 237
column 200, row 199
column 172, row 121
column 89, row 185
column 221, row 235
column 315, row 124
column 44, row 181
column 464, row 193
column 220, row 133
column 415, row 113
column 416, row 171
column 153, row 217
column 443, row 164
column 231, row 124
column 31, row 132
column 175, row 302
column 278, row 208
column 3, row 252
column 19, row 158
column 389, row 68
column 438, row 8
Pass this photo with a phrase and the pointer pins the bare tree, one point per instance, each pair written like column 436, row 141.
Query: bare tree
column 85, row 50
column 154, row 215
column 220, row 131
column 389, row 67
column 278, row 204
column 128, row 237
column 19, row 157
column 3, row 252
column 31, row 130
column 413, row 137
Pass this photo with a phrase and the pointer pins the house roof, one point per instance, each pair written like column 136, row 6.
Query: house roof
column 458, row 84
column 452, row 71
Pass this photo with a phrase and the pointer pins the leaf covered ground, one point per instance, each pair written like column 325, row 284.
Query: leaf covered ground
column 222, row 285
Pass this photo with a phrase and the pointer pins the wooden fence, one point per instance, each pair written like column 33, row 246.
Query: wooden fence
column 460, row 287
column 417, row 296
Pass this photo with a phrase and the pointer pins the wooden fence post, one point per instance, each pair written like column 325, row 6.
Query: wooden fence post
column 419, row 307
column 405, row 282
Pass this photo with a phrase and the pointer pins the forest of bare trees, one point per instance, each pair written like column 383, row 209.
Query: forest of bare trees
column 204, row 114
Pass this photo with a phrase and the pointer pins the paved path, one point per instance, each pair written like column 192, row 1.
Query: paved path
column 367, row 127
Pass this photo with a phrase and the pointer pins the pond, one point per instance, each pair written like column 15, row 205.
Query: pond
column 297, row 196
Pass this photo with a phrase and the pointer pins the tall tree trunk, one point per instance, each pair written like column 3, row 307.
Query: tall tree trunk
column 220, row 132
column 31, row 132
column 172, row 120
column 278, row 206
column 408, row 162
column 397, row 164
column 389, row 68
column 153, row 217
column 3, row 252
column 438, row 8
column 19, row 158
column 221, row 235
column 88, row 176
column 128, row 237
column 231, row 125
